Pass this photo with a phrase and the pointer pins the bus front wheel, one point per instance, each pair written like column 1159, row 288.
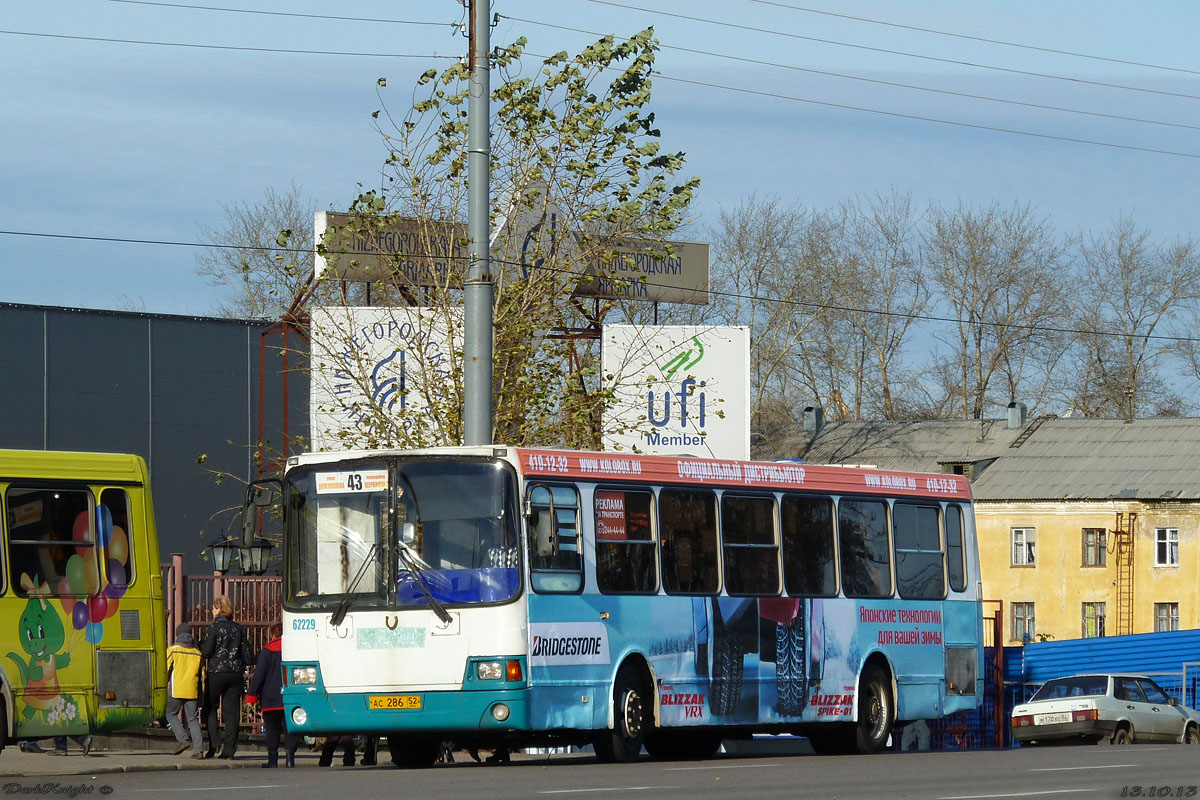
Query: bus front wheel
column 630, row 714
column 876, row 711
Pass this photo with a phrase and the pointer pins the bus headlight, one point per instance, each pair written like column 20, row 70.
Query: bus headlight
column 489, row 670
column 299, row 715
column 304, row 676
column 499, row 712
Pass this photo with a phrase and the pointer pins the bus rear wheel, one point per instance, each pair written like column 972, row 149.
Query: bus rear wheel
column 876, row 711
column 413, row 752
column 630, row 716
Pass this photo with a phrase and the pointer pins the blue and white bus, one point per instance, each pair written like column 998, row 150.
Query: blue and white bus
column 507, row 597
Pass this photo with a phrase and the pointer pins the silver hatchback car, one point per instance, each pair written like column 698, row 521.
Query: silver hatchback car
column 1115, row 708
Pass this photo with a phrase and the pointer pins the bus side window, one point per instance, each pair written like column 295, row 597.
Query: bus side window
column 866, row 557
column 114, row 506
column 556, row 563
column 918, row 548
column 954, row 548
column 688, row 527
column 51, row 542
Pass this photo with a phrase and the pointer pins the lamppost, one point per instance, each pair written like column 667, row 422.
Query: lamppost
column 223, row 551
column 252, row 559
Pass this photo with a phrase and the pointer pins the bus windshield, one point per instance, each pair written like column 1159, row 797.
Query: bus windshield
column 394, row 534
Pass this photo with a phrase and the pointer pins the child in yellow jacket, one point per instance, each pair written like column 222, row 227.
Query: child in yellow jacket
column 183, row 690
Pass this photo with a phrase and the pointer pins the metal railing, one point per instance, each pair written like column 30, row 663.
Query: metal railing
column 256, row 605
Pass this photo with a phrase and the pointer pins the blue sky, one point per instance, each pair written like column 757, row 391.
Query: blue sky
column 141, row 141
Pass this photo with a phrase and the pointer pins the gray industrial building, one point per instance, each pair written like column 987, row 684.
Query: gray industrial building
column 168, row 388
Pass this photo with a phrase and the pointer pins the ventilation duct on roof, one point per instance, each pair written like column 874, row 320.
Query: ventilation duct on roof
column 814, row 418
column 1018, row 414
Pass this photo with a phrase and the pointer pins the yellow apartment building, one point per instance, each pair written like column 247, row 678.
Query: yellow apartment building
column 1070, row 570
column 1086, row 527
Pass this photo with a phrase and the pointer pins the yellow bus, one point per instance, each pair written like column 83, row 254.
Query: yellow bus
column 82, row 627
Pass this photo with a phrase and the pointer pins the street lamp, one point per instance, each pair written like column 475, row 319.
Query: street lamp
column 254, row 557
column 222, row 554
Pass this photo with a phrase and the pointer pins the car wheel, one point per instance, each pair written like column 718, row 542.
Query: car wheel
column 1192, row 735
column 1122, row 735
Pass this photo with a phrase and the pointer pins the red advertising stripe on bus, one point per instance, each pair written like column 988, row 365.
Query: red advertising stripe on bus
column 758, row 474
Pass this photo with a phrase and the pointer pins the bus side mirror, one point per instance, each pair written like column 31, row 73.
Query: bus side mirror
column 259, row 495
column 408, row 532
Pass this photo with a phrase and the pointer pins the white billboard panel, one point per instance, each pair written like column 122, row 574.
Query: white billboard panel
column 376, row 373
column 678, row 390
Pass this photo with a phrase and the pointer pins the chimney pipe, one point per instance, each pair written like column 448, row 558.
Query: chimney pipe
column 1017, row 415
column 814, row 418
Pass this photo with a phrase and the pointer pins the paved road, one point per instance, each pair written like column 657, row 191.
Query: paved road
column 1064, row 772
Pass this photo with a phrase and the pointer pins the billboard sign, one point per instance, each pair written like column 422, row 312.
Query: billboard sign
column 673, row 272
column 349, row 247
column 376, row 373
column 678, row 390
column 435, row 253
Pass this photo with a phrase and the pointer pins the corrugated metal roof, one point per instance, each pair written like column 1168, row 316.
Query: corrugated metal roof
column 1060, row 459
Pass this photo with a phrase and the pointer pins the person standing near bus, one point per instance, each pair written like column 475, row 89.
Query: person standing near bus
column 266, row 689
column 227, row 653
column 183, row 690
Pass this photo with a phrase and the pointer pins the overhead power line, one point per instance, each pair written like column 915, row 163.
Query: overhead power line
column 914, row 117
column 878, row 81
column 887, row 51
column 223, row 47
column 649, row 283
column 971, row 38
column 452, row 25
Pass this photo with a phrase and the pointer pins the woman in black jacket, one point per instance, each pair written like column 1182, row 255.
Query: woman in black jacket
column 227, row 653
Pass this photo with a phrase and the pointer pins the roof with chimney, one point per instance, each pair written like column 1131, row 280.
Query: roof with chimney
column 1046, row 458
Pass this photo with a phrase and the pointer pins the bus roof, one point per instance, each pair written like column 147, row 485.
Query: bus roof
column 596, row 466
column 549, row 463
column 76, row 466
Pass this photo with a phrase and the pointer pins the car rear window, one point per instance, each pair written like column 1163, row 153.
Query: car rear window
column 1079, row 686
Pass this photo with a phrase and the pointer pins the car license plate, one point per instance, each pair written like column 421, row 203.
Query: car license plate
column 390, row 702
column 1052, row 719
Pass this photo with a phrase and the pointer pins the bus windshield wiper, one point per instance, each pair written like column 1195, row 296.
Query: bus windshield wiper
column 339, row 613
column 409, row 562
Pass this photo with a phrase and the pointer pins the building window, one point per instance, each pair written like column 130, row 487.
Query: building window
column 1094, row 542
column 1093, row 620
column 1022, row 617
column 1023, row 540
column 1166, row 547
column 1166, row 617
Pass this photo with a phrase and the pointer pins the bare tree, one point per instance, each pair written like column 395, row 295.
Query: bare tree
column 1130, row 296
column 766, row 274
column 880, row 287
column 252, row 257
column 997, row 270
